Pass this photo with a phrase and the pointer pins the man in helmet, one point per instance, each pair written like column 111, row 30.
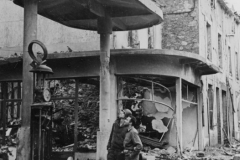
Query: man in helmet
column 117, row 136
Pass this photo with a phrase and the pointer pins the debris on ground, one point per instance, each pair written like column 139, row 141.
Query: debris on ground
column 220, row 152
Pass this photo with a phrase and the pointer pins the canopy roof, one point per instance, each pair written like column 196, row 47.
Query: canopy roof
column 83, row 14
column 185, row 58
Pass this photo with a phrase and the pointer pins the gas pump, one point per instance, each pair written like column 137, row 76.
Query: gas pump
column 41, row 109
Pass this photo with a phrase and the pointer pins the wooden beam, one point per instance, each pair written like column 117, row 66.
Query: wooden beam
column 30, row 33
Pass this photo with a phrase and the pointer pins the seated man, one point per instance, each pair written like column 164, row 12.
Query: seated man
column 132, row 142
column 119, row 130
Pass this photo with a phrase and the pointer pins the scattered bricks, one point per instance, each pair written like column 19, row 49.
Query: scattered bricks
column 236, row 157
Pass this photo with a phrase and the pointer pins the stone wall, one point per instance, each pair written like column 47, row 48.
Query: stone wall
column 180, row 27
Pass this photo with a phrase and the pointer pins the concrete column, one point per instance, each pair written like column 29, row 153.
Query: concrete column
column 30, row 33
column 105, row 30
column 179, row 111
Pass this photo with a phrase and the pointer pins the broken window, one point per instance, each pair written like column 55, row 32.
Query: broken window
column 151, row 103
column 209, row 41
column 64, row 95
column 236, row 66
column 220, row 50
column 189, row 93
column 230, row 61
column 11, row 97
column 189, row 114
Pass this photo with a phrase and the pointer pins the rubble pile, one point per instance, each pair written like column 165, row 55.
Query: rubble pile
column 168, row 152
column 219, row 152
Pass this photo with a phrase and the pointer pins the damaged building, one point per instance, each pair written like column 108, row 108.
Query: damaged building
column 180, row 78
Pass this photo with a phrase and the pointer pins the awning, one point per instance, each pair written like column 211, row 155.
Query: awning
column 186, row 58
column 83, row 14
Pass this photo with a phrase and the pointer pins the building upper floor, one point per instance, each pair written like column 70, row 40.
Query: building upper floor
column 207, row 28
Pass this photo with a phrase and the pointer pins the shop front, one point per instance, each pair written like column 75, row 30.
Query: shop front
column 161, row 87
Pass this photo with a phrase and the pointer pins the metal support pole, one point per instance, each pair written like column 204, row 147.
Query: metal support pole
column 105, row 30
column 30, row 33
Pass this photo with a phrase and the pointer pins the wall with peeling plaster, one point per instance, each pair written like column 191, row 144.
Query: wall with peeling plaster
column 221, row 23
column 184, row 28
column 54, row 35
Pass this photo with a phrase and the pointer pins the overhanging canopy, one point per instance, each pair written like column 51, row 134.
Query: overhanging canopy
column 83, row 14
column 185, row 58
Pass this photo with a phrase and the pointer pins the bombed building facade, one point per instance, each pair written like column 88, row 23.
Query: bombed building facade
column 180, row 78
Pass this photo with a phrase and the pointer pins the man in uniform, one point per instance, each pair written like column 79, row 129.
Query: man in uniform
column 132, row 142
column 117, row 136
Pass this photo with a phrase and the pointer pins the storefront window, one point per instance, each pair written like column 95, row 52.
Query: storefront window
column 150, row 102
column 11, row 97
column 64, row 98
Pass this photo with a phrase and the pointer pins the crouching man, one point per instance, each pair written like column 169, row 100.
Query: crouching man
column 117, row 136
column 132, row 142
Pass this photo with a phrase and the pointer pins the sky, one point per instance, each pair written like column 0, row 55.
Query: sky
column 235, row 4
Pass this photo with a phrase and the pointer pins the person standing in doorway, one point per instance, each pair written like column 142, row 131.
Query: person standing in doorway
column 117, row 136
column 132, row 142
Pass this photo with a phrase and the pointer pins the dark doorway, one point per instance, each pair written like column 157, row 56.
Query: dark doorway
column 218, row 117
column 225, row 116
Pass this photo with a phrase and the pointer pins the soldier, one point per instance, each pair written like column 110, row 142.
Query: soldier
column 117, row 136
column 132, row 142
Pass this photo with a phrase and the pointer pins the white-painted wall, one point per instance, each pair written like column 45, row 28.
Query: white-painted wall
column 221, row 23
column 54, row 35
